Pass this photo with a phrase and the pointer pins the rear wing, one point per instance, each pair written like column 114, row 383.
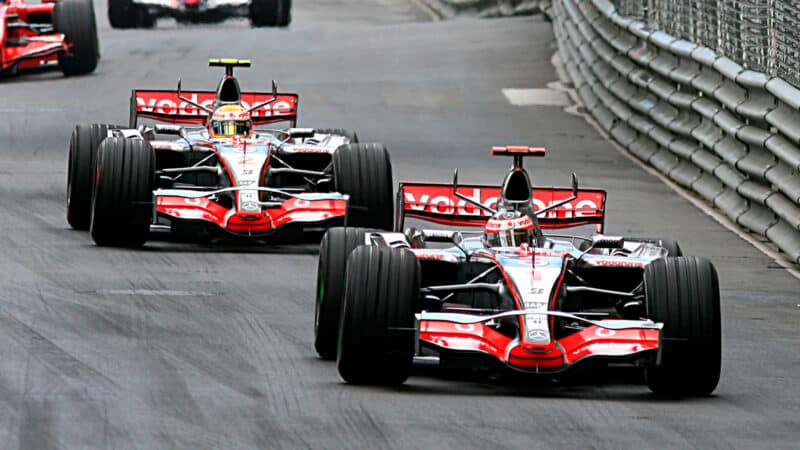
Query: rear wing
column 165, row 106
column 437, row 203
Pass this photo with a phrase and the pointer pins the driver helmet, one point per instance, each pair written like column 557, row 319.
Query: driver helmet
column 508, row 229
column 230, row 121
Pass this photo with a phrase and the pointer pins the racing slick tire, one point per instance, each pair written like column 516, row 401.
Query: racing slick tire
column 683, row 293
column 123, row 195
column 364, row 171
column 349, row 134
column 673, row 249
column 270, row 13
column 81, row 166
column 377, row 336
column 75, row 19
column 285, row 13
column 335, row 248
column 125, row 14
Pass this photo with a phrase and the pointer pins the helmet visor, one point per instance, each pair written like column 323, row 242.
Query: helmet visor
column 231, row 127
column 509, row 238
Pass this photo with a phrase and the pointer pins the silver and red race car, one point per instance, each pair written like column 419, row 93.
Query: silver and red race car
column 510, row 297
column 39, row 35
column 214, row 170
column 144, row 13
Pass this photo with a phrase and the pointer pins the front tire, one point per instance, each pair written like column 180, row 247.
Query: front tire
column 75, row 19
column 81, row 166
column 683, row 293
column 377, row 335
column 123, row 196
column 335, row 248
column 364, row 171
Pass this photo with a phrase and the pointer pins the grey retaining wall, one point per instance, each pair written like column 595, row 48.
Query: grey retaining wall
column 729, row 134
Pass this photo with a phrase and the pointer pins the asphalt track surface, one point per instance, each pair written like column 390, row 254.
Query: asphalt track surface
column 191, row 346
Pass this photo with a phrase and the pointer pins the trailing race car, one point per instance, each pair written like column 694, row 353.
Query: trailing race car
column 511, row 297
column 143, row 13
column 33, row 36
column 224, row 176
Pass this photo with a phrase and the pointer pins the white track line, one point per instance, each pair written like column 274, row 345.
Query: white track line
column 710, row 211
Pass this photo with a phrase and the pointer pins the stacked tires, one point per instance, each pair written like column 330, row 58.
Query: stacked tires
column 270, row 13
column 75, row 19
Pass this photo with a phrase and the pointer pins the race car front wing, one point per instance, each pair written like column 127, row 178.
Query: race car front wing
column 256, row 218
column 453, row 335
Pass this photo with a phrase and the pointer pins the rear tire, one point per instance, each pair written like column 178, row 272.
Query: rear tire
column 125, row 14
column 270, row 13
column 364, row 171
column 683, row 293
column 75, row 19
column 81, row 166
column 285, row 17
column 123, row 196
column 673, row 249
column 335, row 248
column 349, row 134
column 376, row 335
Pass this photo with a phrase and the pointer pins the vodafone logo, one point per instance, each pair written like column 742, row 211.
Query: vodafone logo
column 441, row 201
column 445, row 204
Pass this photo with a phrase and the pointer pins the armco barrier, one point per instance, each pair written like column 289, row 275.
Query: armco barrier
column 727, row 133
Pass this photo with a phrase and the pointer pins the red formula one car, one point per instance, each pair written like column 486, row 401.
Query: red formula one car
column 221, row 173
column 511, row 297
column 33, row 36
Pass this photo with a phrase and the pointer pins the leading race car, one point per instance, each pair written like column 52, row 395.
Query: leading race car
column 34, row 36
column 221, row 173
column 511, row 297
column 143, row 13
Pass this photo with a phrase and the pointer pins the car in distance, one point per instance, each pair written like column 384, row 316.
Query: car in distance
column 144, row 13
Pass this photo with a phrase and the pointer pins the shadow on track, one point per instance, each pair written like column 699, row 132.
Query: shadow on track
column 617, row 383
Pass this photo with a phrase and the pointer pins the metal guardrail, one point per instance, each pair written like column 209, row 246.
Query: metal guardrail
column 761, row 35
column 730, row 134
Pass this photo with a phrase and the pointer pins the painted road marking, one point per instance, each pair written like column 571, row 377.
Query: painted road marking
column 155, row 292
column 536, row 97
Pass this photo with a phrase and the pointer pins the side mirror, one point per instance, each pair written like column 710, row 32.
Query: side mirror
column 601, row 241
column 574, row 185
column 301, row 133
column 274, row 89
column 455, row 180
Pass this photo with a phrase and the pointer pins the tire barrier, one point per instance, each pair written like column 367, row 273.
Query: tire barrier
column 729, row 134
